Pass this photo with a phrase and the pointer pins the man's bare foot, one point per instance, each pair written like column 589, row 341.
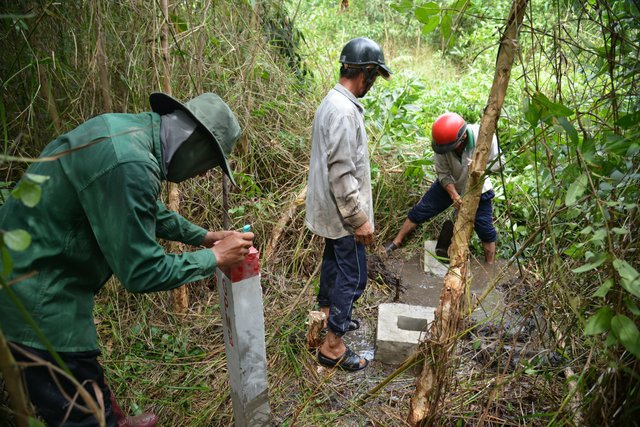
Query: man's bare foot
column 333, row 347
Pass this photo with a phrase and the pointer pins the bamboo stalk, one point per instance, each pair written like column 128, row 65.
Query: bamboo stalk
column 180, row 295
column 430, row 385
column 101, row 59
column 49, row 99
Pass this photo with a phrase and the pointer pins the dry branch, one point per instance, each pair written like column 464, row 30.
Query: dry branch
column 281, row 224
column 430, row 385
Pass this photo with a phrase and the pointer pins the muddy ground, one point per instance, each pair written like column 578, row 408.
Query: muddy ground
column 499, row 339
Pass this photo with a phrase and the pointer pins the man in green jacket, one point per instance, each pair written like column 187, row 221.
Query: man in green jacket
column 99, row 215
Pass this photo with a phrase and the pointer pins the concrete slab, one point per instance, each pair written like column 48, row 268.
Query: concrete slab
column 400, row 327
column 431, row 263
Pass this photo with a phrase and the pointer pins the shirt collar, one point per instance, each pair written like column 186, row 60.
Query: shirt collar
column 351, row 97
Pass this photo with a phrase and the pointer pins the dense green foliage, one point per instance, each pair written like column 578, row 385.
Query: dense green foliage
column 568, row 197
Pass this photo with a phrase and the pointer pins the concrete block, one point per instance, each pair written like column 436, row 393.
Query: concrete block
column 431, row 263
column 400, row 327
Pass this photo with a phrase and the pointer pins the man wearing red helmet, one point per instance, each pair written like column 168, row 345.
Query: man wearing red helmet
column 454, row 143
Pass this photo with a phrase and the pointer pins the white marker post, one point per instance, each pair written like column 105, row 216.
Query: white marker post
column 243, row 323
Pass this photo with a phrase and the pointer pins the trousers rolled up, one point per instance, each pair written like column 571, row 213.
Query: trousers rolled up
column 436, row 200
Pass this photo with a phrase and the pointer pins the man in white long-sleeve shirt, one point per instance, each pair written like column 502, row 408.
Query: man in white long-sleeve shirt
column 339, row 205
column 454, row 143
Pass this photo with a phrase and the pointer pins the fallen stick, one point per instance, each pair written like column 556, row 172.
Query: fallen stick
column 281, row 224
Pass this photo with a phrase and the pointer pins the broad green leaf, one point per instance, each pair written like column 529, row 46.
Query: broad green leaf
column 179, row 24
column 604, row 289
column 629, row 120
column 28, row 192
column 617, row 176
column 433, row 23
column 633, row 308
column 576, row 190
column 531, row 112
column 627, row 333
column 605, row 187
column 458, row 5
column 445, row 26
column 629, row 277
column 610, row 340
column 600, row 322
column 595, row 262
column 571, row 131
column 633, row 8
column 424, row 12
column 403, row 6
column 587, row 230
column 7, row 262
column 17, row 240
column 554, row 108
column 599, row 235
column 35, row 178
column 616, row 144
column 588, row 149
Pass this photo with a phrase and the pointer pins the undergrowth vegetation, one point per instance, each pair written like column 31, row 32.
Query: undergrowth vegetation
column 567, row 202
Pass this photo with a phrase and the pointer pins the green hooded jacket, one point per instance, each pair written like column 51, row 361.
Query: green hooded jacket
column 99, row 215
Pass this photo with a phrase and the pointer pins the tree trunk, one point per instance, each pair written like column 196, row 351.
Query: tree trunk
column 430, row 385
column 179, row 295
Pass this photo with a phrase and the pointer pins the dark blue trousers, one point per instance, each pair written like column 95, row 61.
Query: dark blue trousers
column 436, row 200
column 50, row 401
column 343, row 277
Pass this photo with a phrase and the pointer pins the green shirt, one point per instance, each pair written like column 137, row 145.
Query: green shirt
column 99, row 215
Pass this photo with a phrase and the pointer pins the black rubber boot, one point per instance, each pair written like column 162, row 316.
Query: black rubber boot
column 444, row 239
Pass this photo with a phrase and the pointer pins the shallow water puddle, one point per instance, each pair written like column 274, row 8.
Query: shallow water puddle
column 420, row 288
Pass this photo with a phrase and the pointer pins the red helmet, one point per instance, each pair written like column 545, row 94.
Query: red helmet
column 447, row 132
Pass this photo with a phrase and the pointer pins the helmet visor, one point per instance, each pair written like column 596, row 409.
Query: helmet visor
column 384, row 71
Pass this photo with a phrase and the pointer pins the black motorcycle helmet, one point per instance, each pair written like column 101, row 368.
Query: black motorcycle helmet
column 361, row 52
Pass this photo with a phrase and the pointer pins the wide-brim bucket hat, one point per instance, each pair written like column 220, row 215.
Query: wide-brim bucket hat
column 212, row 114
